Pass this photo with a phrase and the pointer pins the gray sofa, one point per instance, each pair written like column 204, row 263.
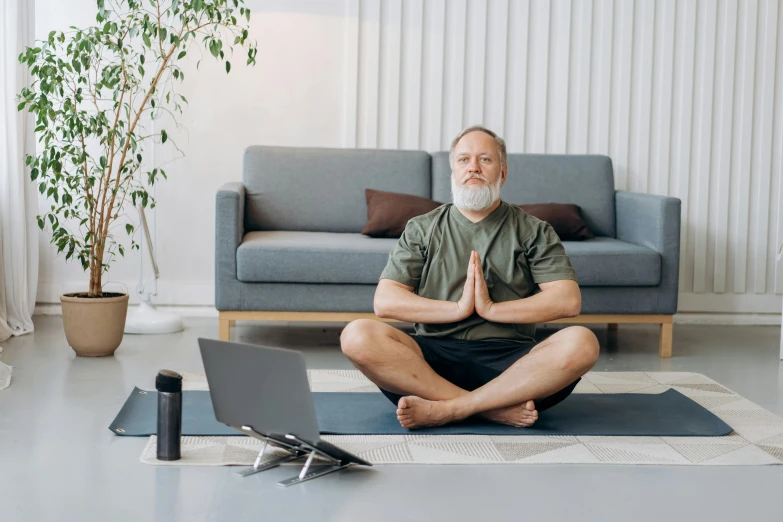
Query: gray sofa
column 288, row 244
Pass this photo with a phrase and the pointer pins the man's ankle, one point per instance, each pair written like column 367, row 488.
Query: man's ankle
column 462, row 408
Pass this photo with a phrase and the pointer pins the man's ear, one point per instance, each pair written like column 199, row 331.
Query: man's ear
column 503, row 174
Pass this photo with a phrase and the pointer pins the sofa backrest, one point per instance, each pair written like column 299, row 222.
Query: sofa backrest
column 322, row 190
column 584, row 180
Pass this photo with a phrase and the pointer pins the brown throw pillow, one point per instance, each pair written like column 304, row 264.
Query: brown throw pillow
column 565, row 218
column 389, row 212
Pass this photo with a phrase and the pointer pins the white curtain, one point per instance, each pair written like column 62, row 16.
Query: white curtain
column 18, row 197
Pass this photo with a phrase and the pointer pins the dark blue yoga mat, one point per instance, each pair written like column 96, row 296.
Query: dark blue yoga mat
column 635, row 414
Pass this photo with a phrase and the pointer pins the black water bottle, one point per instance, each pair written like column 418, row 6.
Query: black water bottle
column 169, row 386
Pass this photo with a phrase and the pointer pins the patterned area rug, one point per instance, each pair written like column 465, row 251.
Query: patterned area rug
column 757, row 437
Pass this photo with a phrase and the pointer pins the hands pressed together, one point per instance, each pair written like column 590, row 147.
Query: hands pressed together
column 475, row 295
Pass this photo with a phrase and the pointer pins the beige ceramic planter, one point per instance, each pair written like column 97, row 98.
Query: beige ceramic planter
column 94, row 325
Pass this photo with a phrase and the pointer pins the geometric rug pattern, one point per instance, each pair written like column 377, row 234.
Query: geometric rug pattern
column 757, row 437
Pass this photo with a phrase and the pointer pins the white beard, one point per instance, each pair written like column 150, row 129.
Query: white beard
column 475, row 198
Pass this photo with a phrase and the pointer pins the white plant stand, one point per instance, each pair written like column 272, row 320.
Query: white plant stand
column 146, row 319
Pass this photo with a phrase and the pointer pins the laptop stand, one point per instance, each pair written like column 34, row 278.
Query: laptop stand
column 296, row 451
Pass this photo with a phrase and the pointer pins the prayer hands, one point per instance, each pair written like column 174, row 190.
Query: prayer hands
column 475, row 295
column 482, row 303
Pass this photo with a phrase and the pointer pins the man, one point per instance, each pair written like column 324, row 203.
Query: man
column 474, row 276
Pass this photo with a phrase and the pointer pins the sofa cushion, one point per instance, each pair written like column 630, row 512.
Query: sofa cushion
column 325, row 257
column 311, row 257
column 314, row 189
column 584, row 180
column 565, row 218
column 605, row 261
column 389, row 212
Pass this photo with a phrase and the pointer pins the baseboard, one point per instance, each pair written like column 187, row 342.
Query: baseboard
column 747, row 303
column 682, row 318
column 728, row 319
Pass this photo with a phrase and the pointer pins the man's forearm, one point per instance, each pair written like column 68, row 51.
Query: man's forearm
column 408, row 307
column 539, row 308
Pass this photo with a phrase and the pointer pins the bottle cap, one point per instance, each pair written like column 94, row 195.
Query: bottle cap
column 168, row 381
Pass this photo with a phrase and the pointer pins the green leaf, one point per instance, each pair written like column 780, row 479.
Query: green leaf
column 20, row 106
column 129, row 228
column 40, row 222
column 228, row 66
column 146, row 39
column 213, row 48
column 181, row 55
column 163, row 136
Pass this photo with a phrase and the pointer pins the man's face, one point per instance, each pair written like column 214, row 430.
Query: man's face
column 476, row 173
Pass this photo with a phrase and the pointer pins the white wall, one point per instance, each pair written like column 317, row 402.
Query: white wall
column 685, row 97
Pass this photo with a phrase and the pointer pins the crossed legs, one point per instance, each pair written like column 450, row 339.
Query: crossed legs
column 393, row 361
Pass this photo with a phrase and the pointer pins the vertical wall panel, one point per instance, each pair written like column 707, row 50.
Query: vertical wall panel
column 351, row 73
column 475, row 62
column 663, row 74
column 495, row 104
column 742, row 143
column 538, row 70
column 641, row 96
column 724, row 125
column 777, row 167
column 410, row 73
column 621, row 90
column 701, row 167
column 432, row 73
column 369, row 72
column 391, row 52
column 579, row 87
column 762, row 131
column 601, row 89
column 685, row 45
column 517, row 78
column 685, row 96
column 454, row 64
column 559, row 69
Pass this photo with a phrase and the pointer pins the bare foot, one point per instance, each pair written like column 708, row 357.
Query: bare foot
column 520, row 415
column 415, row 412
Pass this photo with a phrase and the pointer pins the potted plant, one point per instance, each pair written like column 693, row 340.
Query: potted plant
column 89, row 92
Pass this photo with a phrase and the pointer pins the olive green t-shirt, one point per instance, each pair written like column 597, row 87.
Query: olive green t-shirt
column 517, row 250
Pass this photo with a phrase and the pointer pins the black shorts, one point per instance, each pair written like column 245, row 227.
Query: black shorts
column 472, row 364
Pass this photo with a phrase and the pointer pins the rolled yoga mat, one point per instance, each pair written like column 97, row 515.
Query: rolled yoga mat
column 339, row 413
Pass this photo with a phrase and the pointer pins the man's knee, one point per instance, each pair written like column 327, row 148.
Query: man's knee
column 356, row 339
column 582, row 348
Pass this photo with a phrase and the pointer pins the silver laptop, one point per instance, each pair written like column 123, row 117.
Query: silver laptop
column 263, row 391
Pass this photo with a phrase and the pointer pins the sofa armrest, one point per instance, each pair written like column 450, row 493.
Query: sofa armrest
column 229, row 230
column 654, row 221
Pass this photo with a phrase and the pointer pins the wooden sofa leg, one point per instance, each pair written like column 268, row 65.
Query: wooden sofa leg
column 612, row 326
column 666, row 340
column 224, row 333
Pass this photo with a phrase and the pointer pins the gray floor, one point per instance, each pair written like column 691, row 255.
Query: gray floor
column 58, row 461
